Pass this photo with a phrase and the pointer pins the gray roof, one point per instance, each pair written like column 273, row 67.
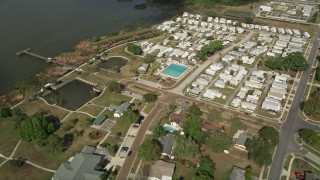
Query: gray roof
column 123, row 107
column 237, row 173
column 81, row 167
column 161, row 169
column 242, row 139
column 167, row 143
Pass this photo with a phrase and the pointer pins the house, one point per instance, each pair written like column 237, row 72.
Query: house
column 265, row 8
column 119, row 110
column 236, row 102
column 237, row 173
column 161, row 170
column 143, row 68
column 248, row 106
column 99, row 120
column 271, row 104
column 167, row 143
column 81, row 167
column 220, row 84
column 212, row 93
column 240, row 138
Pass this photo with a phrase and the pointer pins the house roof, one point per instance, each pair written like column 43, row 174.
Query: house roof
column 237, row 173
column 242, row 139
column 178, row 118
column 99, row 120
column 167, row 143
column 82, row 166
column 162, row 170
column 120, row 109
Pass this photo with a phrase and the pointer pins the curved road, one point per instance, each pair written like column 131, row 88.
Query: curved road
column 293, row 123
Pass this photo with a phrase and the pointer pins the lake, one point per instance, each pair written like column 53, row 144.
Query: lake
column 50, row 27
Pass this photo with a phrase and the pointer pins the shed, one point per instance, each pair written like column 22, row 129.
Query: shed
column 99, row 120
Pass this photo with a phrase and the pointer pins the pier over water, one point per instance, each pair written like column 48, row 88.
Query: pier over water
column 47, row 59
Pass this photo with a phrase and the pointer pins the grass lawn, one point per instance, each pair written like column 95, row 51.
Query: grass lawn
column 9, row 136
column 287, row 161
column 152, row 78
column 135, row 165
column 138, row 104
column 35, row 106
column 39, row 155
column 265, row 113
column 91, row 109
column 184, row 172
column 224, row 162
column 156, row 120
column 25, row 172
column 148, row 108
column 121, row 126
column 114, row 144
column 299, row 165
column 108, row 98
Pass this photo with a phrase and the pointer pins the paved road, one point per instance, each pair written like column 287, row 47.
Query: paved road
column 293, row 123
column 125, row 169
column 179, row 89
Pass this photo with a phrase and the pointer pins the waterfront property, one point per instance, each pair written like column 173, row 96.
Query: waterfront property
column 72, row 95
column 174, row 71
column 113, row 63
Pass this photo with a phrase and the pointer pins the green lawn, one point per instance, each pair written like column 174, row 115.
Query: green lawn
column 91, row 109
column 9, row 136
column 183, row 172
column 35, row 106
column 39, row 155
column 108, row 98
column 114, row 144
column 25, row 172
column 138, row 104
column 148, row 108
column 121, row 126
column 287, row 161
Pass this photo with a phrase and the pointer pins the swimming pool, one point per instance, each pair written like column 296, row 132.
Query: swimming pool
column 174, row 70
column 170, row 128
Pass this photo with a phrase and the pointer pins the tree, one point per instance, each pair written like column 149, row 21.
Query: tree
column 16, row 162
column 36, row 127
column 149, row 58
column 131, row 115
column 192, row 127
column 210, row 49
column 114, row 86
column 149, row 150
column 317, row 75
column 194, row 110
column 185, row 147
column 259, row 151
column 214, row 116
column 219, row 142
column 5, row 112
column 309, row 136
column 236, row 125
column 294, row 61
column 150, row 97
column 248, row 20
column 206, row 168
column 134, row 49
column 270, row 134
column 54, row 143
column 158, row 131
column 248, row 173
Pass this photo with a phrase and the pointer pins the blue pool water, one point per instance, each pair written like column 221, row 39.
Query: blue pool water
column 170, row 128
column 174, row 70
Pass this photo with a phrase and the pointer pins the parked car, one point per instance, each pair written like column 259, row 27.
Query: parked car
column 130, row 152
column 299, row 175
column 125, row 149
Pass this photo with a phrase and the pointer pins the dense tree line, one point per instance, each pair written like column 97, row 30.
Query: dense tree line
column 294, row 61
column 310, row 136
column 210, row 49
column 36, row 127
column 259, row 148
column 149, row 150
column 150, row 97
column 311, row 106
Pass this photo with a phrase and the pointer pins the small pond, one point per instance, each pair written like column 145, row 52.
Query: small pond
column 72, row 95
column 112, row 63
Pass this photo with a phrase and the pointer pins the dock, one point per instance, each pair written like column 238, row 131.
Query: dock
column 47, row 59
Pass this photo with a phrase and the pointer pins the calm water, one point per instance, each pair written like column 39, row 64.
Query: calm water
column 72, row 95
column 51, row 27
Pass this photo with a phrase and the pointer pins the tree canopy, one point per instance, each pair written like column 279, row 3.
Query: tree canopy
column 219, row 142
column 317, row 75
column 158, row 131
column 114, row 86
column 192, row 127
column 54, row 143
column 270, row 134
column 214, row 116
column 309, row 136
column 36, row 127
column 149, row 150
column 206, row 168
column 236, row 124
column 134, row 49
column 5, row 112
column 186, row 147
column 149, row 58
column 294, row 61
column 210, row 49
column 248, row 173
column 131, row 115
column 150, row 97
column 195, row 111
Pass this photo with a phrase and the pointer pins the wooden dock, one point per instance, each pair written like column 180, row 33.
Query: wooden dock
column 48, row 60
